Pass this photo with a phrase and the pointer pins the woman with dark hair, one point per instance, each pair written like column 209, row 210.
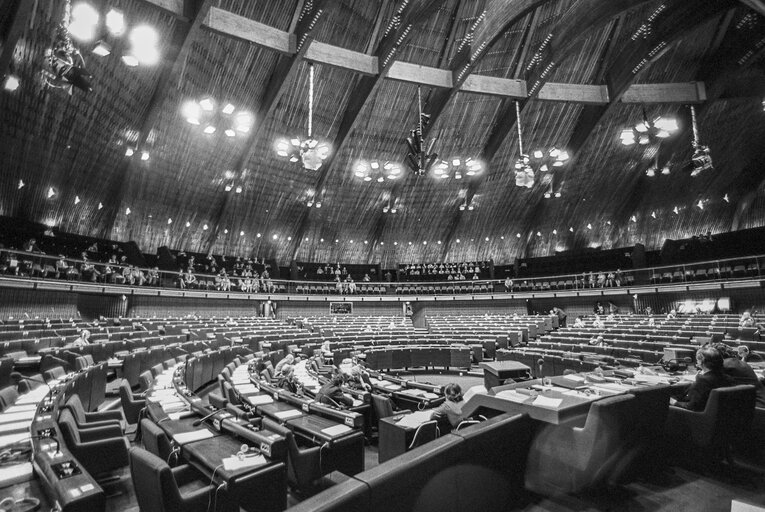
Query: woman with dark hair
column 451, row 409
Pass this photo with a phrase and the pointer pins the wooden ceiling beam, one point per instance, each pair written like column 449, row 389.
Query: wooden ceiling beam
column 284, row 73
column 397, row 34
column 18, row 23
column 173, row 61
column 756, row 5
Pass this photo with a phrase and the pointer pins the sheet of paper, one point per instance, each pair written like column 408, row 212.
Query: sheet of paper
column 415, row 419
column 513, row 396
column 7, row 417
column 194, row 435
column 260, row 399
column 247, row 389
column 551, row 403
column 175, row 416
column 20, row 408
column 575, row 378
column 430, row 396
column 233, row 463
column 19, row 426
column 285, row 415
column 650, row 379
column 336, row 430
column 10, row 439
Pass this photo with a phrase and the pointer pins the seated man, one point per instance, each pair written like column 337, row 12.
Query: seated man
column 331, row 391
column 748, row 357
column 286, row 361
column 740, row 372
column 711, row 377
column 287, row 379
column 83, row 340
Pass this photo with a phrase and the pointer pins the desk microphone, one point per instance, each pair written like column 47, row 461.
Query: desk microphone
column 200, row 420
column 540, row 363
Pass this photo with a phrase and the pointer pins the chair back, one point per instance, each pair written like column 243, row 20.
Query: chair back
column 130, row 406
column 653, row 404
column 155, row 440
column 8, row 396
column 383, row 406
column 74, row 404
column 155, row 487
column 145, row 380
column 231, row 394
column 54, row 373
column 425, row 433
column 466, row 423
column 731, row 410
column 68, row 426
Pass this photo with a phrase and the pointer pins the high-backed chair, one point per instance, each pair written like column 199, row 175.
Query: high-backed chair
column 304, row 463
column 425, row 433
column 564, row 459
column 159, row 488
column 99, row 450
column 93, row 419
column 383, row 406
column 131, row 406
column 155, row 440
column 145, row 381
column 54, row 373
column 8, row 396
column 729, row 411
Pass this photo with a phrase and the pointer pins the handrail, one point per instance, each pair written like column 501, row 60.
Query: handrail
column 40, row 265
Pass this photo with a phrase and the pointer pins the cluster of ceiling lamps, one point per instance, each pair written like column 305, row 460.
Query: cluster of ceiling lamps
column 84, row 26
column 309, row 152
column 457, row 168
column 544, row 160
column 374, row 170
column 646, row 132
column 205, row 112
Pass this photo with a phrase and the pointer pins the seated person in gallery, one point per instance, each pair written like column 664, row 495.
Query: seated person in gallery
column 598, row 323
column 710, row 377
column 579, row 322
column 449, row 413
column 331, row 391
column 746, row 320
column 82, row 340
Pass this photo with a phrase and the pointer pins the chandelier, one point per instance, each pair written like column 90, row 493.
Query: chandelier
column 543, row 160
column 64, row 65
column 376, row 171
column 701, row 159
column 309, row 151
column 206, row 113
column 647, row 131
column 457, row 168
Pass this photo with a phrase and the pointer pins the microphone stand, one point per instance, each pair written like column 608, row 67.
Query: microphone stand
column 203, row 418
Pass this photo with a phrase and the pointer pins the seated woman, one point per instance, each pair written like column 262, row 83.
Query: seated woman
column 449, row 413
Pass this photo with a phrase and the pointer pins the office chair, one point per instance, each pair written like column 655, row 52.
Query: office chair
column 99, row 450
column 86, row 420
column 159, row 488
column 304, row 463
column 155, row 440
column 8, row 396
column 426, row 432
column 145, row 381
column 131, row 406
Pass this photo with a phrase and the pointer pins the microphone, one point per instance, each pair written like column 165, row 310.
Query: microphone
column 540, row 363
column 200, row 420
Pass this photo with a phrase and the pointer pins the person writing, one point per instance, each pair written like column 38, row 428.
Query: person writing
column 331, row 391
column 711, row 377
column 451, row 409
column 83, row 339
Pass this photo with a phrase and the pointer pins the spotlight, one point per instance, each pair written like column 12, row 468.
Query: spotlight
column 209, row 129
column 227, row 188
column 241, row 233
column 230, row 133
column 701, row 159
column 11, row 83
column 225, row 231
column 144, row 40
column 188, row 224
column 238, row 189
column 258, row 235
column 127, row 211
column 84, row 20
column 100, row 205
column 21, row 184
column 228, row 109
column 205, row 227
column 130, row 60
column 144, row 155
column 725, row 197
column 51, row 192
column 169, row 221
column 76, row 199
column 275, row 237
column 318, row 205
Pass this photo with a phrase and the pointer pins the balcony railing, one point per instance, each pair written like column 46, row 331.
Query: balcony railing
column 41, row 266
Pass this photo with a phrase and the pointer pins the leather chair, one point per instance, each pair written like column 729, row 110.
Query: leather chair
column 159, row 488
column 54, row 373
column 8, row 396
column 86, row 420
column 145, row 381
column 99, row 450
column 563, row 459
column 729, row 411
column 131, row 406
column 157, row 369
column 304, row 463
column 384, row 406
column 155, row 440
column 231, row 394
column 425, row 433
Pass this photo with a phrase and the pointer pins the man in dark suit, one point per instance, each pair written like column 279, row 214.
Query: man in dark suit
column 711, row 377
column 741, row 372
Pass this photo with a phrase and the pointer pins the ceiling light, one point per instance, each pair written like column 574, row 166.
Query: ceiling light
column 439, row 242
column 205, row 227
column 571, row 229
column 76, row 199
column 653, row 214
column 318, row 205
column 21, row 184
column 700, row 204
column 539, row 233
column 258, row 235
column 725, row 198
column 309, row 204
column 548, row 195
column 321, row 240
column 144, row 155
column 538, row 154
column 289, row 238
column 128, row 211
column 365, row 242
column 169, row 221
column 589, row 226
column 102, row 49
column 228, row 187
column 555, row 231
column 144, row 40
column 677, row 212
column 374, row 165
column 209, row 129
column 229, row 132
column 238, row 189
column 275, row 237
column 130, row 60
column 458, row 176
column 647, row 131
column 557, row 194
column 554, row 152
column 228, row 109
column 380, row 179
column 633, row 218
column 51, row 192
column 100, row 205
column 410, row 243
column 367, row 178
column 393, row 210
column 458, row 240
column 462, row 207
column 517, row 235
column 487, row 239
column 115, row 22
column 243, row 122
column 544, row 168
column 84, row 19
column 395, row 243
column 470, row 208
column 188, row 224
column 665, row 170
column 11, row 83
column 241, row 233
column 456, row 162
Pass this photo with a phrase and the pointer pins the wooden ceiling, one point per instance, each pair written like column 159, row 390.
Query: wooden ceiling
column 581, row 70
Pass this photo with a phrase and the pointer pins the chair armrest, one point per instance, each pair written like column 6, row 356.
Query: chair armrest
column 100, row 433
column 197, row 500
column 112, row 448
column 184, row 474
column 99, row 424
column 104, row 415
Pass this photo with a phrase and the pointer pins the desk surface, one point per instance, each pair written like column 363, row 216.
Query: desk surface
column 499, row 367
column 208, row 455
column 322, row 428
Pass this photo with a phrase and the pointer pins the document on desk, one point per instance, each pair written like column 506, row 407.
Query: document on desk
column 336, row 430
column 550, row 403
column 575, row 378
column 10, row 439
column 513, row 396
column 650, row 379
column 16, row 416
column 175, row 416
column 233, row 463
column 285, row 415
column 247, row 389
column 194, row 435
column 19, row 426
column 415, row 419
column 260, row 399
column 21, row 408
column 240, row 381
column 357, row 402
